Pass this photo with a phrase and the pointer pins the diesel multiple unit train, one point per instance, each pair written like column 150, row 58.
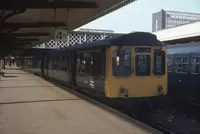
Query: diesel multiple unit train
column 184, row 71
column 128, row 66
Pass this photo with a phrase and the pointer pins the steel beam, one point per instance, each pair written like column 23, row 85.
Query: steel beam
column 16, row 25
column 11, row 39
column 24, row 34
column 45, row 4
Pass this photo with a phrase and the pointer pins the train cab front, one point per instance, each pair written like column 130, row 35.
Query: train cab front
column 136, row 71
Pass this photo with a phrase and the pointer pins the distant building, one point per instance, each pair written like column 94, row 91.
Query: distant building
column 168, row 19
column 96, row 30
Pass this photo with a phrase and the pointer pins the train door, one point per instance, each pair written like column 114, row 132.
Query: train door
column 181, row 71
column 192, row 80
column 42, row 64
column 46, row 62
column 171, row 73
column 73, row 60
column 103, row 53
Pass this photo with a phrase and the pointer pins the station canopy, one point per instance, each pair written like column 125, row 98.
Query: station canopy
column 25, row 23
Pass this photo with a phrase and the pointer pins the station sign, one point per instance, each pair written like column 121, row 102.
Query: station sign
column 60, row 35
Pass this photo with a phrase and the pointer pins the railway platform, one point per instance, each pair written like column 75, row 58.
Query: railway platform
column 32, row 105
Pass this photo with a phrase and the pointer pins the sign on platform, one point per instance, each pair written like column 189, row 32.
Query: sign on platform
column 60, row 35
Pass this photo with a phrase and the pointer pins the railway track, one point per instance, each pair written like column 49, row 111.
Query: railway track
column 162, row 129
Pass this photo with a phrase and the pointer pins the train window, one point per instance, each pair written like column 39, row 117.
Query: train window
column 159, row 62
column 121, row 62
column 181, row 64
column 63, row 58
column 170, row 64
column 89, row 63
column 67, row 63
column 49, row 64
column 195, row 69
column 86, row 62
column 82, row 63
column 142, row 63
column 96, row 63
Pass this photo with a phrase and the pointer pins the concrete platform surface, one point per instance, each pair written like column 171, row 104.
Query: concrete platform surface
column 31, row 105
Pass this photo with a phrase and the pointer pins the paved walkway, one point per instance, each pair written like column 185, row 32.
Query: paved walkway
column 31, row 105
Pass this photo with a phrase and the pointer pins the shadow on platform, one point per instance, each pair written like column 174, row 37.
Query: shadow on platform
column 12, row 68
column 35, row 101
column 17, row 73
column 10, row 76
column 26, row 86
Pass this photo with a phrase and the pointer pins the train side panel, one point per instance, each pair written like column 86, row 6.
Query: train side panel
column 57, row 67
column 183, row 73
column 62, row 71
column 90, row 71
column 46, row 65
column 37, row 62
column 178, row 76
column 28, row 63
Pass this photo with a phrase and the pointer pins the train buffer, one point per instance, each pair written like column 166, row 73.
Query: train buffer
column 30, row 104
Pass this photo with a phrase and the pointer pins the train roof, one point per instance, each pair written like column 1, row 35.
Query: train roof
column 34, row 51
column 184, row 48
column 136, row 38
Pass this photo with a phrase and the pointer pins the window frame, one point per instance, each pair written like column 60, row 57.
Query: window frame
column 121, row 67
column 163, row 67
column 170, row 57
column 93, row 62
column 182, row 63
column 196, row 63
column 149, row 65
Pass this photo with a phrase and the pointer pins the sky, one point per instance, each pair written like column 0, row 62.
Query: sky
column 137, row 16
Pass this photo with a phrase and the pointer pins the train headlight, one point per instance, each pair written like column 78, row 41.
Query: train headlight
column 160, row 89
column 124, row 92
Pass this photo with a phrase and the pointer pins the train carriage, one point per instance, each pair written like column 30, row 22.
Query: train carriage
column 131, row 65
column 32, row 60
column 184, row 71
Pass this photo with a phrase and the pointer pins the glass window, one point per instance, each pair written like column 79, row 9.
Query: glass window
column 63, row 58
column 65, row 62
column 90, row 63
column 195, row 65
column 142, row 63
column 84, row 61
column 54, row 62
column 96, row 63
column 181, row 64
column 170, row 64
column 121, row 62
column 159, row 62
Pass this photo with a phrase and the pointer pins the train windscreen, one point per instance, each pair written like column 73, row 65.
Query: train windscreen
column 121, row 62
column 142, row 63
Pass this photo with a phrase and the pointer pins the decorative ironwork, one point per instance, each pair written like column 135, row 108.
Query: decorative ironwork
column 77, row 38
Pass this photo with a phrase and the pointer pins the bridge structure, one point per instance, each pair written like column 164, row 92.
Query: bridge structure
column 65, row 39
